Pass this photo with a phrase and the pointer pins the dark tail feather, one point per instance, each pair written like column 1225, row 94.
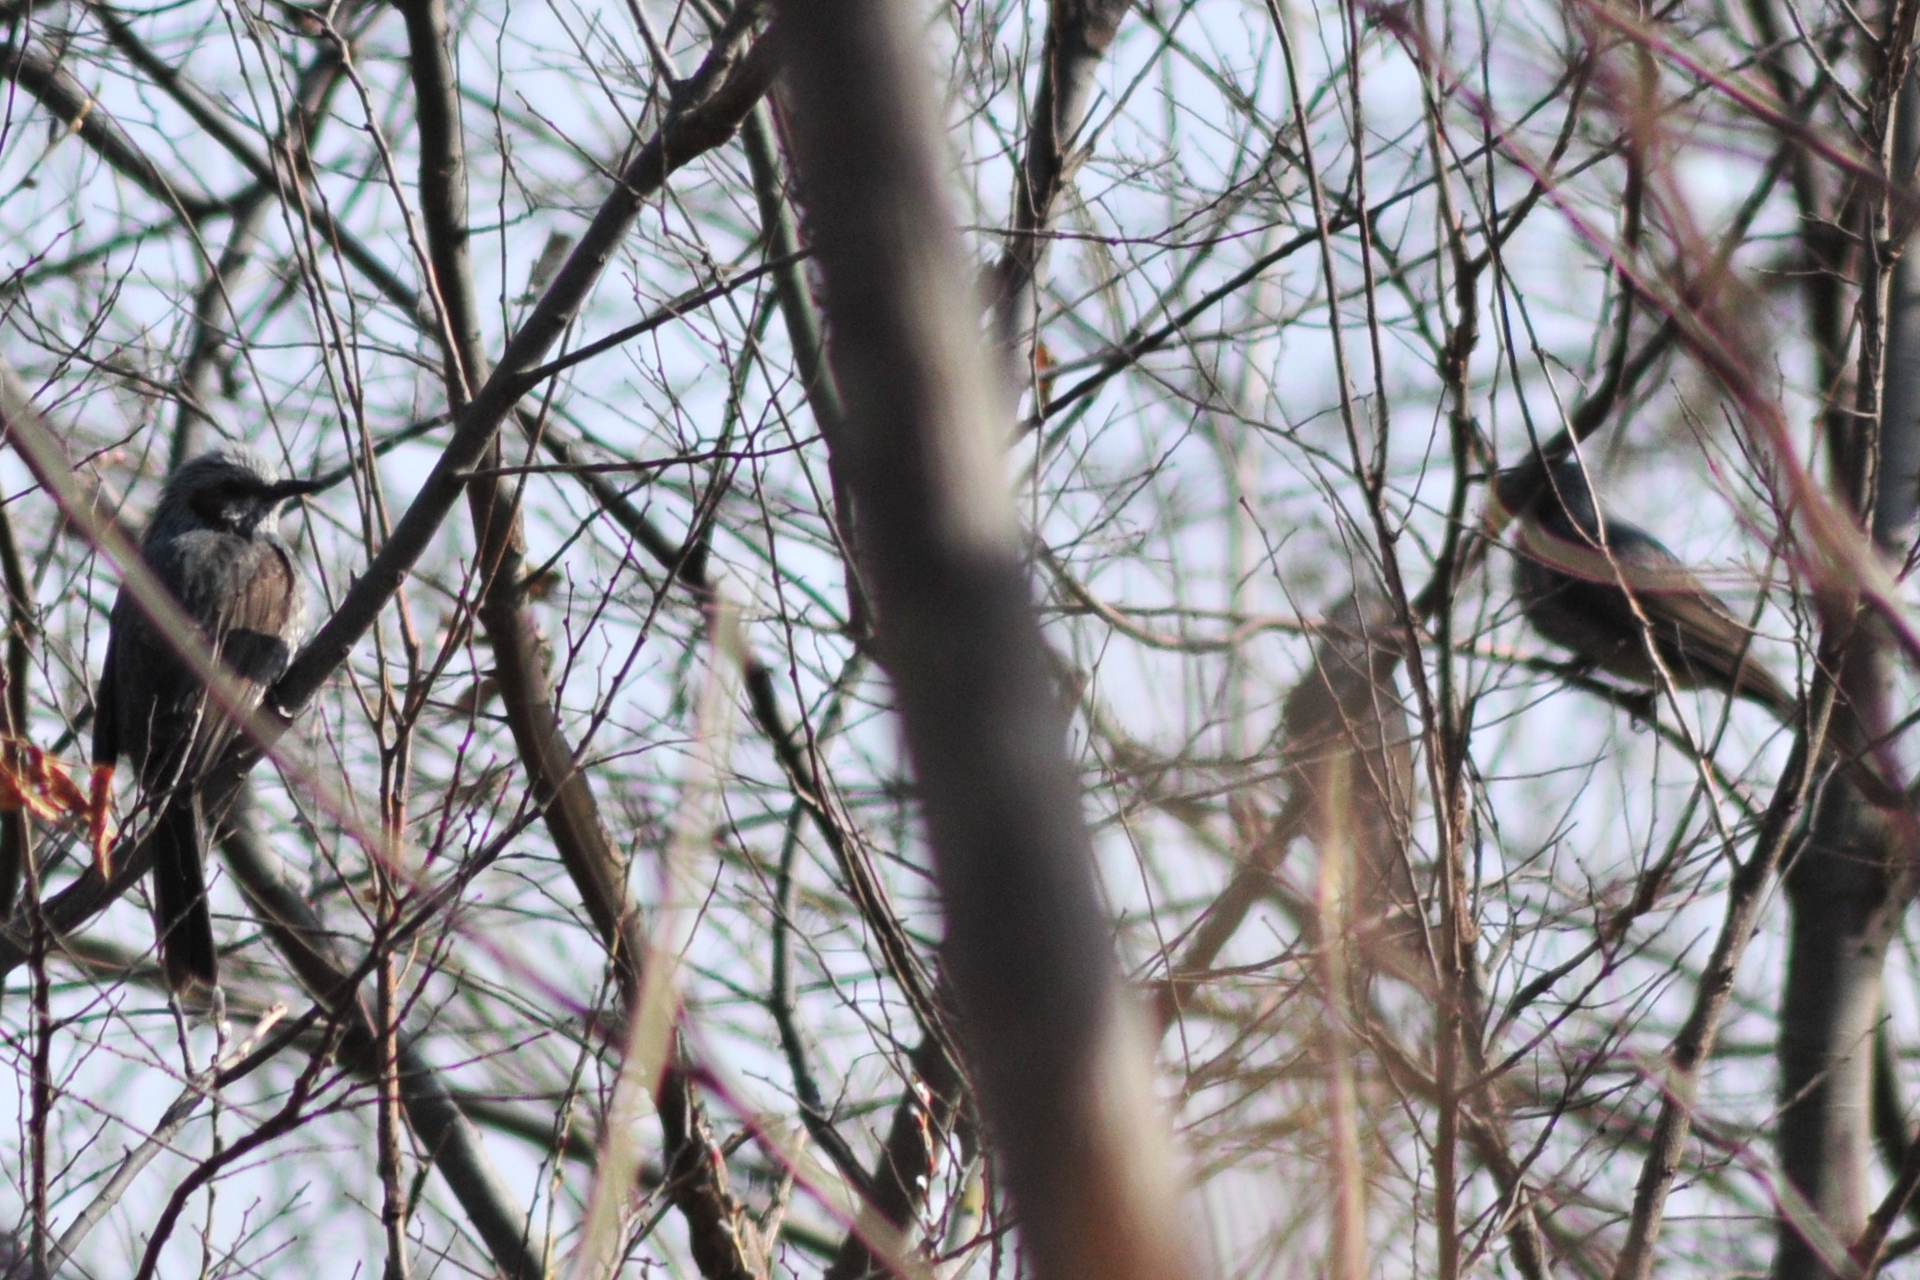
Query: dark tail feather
column 180, row 898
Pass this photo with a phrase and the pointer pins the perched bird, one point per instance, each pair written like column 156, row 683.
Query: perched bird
column 1573, row 573
column 214, row 542
column 1348, row 756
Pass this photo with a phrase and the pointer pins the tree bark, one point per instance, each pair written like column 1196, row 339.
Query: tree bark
column 1054, row 1046
column 1845, row 892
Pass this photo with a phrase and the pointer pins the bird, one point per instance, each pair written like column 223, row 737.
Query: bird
column 1348, row 754
column 214, row 543
column 1585, row 582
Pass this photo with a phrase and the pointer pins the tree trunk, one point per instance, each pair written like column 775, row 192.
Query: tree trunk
column 1845, row 905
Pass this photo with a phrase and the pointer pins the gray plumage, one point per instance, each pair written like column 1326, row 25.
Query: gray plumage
column 1568, row 576
column 1573, row 572
column 213, row 542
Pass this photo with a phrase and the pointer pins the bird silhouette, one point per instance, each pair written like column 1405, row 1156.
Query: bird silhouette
column 1348, row 756
column 213, row 542
column 1586, row 582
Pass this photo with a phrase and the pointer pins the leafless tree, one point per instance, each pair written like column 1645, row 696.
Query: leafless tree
column 915, row 664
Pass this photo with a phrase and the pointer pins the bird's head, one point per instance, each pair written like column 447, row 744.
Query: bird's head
column 1556, row 497
column 1567, row 496
column 230, row 489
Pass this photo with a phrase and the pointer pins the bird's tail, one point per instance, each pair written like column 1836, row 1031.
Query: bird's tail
column 1758, row 685
column 180, row 898
column 1843, row 747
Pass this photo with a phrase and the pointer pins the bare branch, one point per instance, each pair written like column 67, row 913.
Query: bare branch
column 1060, row 1066
column 57, row 91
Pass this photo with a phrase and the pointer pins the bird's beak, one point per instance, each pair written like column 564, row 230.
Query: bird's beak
column 282, row 490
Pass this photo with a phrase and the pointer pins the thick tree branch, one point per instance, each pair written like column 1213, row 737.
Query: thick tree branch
column 1055, row 1049
column 729, row 83
column 1078, row 35
column 559, row 788
column 725, row 1245
column 73, row 106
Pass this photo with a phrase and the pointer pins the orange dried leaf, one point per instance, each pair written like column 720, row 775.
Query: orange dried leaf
column 62, row 789
column 21, row 768
column 14, row 797
column 1045, row 372
column 43, row 786
column 99, row 809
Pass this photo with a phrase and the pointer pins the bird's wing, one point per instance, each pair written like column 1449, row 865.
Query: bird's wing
column 242, row 592
column 1630, row 557
column 155, row 699
column 253, row 624
column 1697, row 635
column 248, row 621
column 1703, row 632
column 1693, row 629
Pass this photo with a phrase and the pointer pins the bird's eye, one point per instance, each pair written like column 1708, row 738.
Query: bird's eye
column 219, row 503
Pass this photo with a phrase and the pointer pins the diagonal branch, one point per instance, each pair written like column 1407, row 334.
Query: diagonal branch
column 730, row 83
column 560, row 789
column 723, row 1244
column 74, row 107
column 1078, row 35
